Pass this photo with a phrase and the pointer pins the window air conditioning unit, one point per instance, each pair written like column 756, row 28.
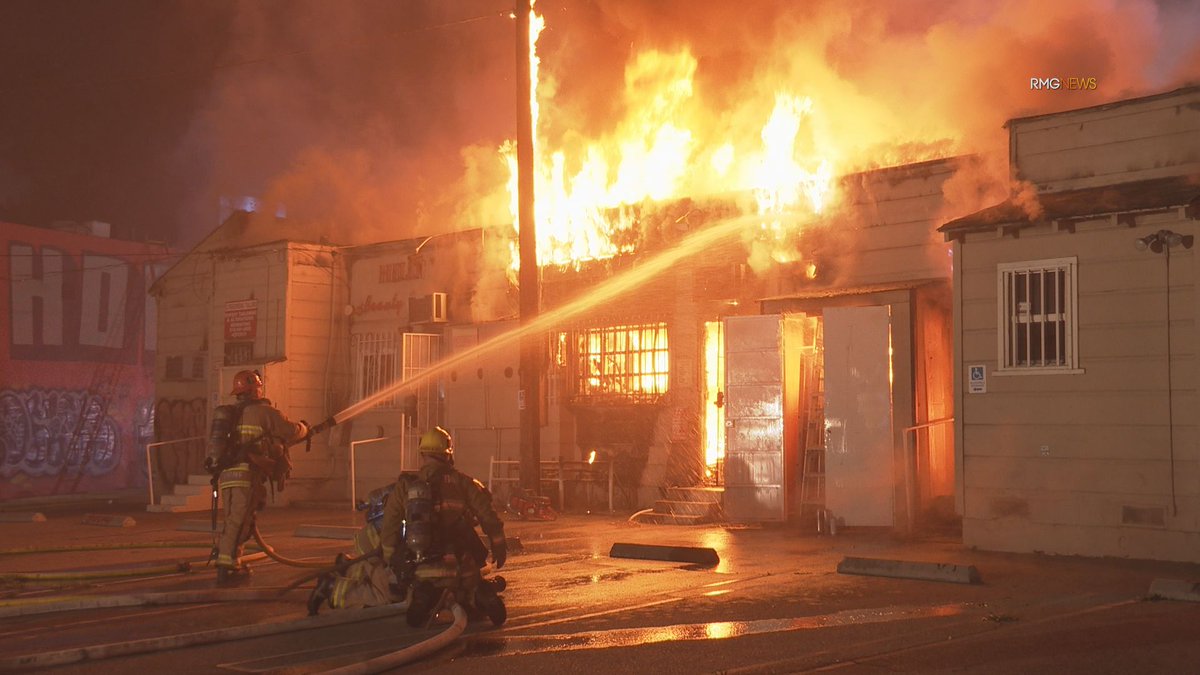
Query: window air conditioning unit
column 428, row 309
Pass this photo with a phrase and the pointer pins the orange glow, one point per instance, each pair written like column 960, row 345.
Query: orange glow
column 630, row 362
column 668, row 145
column 714, row 386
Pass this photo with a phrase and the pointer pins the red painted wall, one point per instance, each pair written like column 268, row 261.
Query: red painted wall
column 76, row 361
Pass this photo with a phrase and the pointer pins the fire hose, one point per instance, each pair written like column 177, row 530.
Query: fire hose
column 106, row 547
column 60, row 603
column 204, row 637
column 97, row 652
column 168, row 568
column 290, row 562
column 411, row 653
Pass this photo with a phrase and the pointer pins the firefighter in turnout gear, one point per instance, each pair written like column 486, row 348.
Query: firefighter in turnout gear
column 247, row 449
column 365, row 580
column 427, row 528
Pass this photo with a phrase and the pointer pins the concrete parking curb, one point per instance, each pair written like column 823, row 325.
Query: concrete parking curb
column 22, row 517
column 1175, row 589
column 902, row 569
column 108, row 521
column 326, row 532
column 688, row 554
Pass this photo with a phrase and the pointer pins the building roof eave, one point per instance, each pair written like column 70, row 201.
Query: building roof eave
column 1070, row 206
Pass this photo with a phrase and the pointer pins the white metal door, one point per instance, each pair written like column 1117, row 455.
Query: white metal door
column 754, row 484
column 859, row 454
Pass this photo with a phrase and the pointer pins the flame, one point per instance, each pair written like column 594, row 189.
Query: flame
column 666, row 146
column 781, row 181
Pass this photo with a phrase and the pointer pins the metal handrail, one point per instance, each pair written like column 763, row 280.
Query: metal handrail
column 353, row 447
column 149, row 464
column 930, row 423
column 910, row 460
column 560, row 466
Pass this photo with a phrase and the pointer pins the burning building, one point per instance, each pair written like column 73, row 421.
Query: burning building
column 717, row 380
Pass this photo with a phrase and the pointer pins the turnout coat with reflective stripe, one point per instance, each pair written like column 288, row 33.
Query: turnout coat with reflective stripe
column 459, row 500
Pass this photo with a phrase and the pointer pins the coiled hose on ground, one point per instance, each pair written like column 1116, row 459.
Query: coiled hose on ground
column 96, row 652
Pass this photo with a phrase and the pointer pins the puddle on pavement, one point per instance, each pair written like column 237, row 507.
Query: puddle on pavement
column 719, row 630
column 604, row 576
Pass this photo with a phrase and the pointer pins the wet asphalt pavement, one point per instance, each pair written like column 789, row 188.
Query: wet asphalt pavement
column 774, row 603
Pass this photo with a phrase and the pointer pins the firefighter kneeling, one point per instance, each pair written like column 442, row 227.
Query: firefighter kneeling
column 423, row 543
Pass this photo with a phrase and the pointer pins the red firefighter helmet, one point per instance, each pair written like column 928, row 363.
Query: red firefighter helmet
column 247, row 383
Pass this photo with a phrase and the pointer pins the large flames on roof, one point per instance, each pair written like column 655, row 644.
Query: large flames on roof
column 663, row 148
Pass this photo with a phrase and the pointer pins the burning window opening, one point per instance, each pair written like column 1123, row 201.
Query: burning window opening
column 628, row 364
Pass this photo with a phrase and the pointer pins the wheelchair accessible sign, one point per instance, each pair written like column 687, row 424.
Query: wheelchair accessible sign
column 976, row 380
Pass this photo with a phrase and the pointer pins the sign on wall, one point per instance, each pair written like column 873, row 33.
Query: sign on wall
column 241, row 320
column 976, row 380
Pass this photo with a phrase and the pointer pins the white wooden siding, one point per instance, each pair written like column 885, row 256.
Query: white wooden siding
column 1129, row 141
column 1106, row 430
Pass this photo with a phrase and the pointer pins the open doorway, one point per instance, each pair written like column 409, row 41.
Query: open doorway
column 714, row 403
column 835, row 407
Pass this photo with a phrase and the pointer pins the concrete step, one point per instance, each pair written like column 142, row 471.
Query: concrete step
column 170, row 508
column 696, row 494
column 199, row 479
column 705, row 509
column 192, row 489
column 198, row 502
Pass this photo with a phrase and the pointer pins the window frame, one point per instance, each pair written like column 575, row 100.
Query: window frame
column 375, row 345
column 615, row 364
column 1006, row 324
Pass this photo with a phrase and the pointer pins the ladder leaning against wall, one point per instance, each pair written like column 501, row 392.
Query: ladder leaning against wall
column 812, row 477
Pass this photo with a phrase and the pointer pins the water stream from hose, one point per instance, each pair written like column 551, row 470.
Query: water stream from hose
column 611, row 289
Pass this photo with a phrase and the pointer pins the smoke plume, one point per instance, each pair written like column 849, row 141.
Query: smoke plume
column 382, row 121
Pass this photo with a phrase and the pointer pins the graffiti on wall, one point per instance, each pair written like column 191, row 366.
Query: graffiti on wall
column 43, row 431
column 177, row 419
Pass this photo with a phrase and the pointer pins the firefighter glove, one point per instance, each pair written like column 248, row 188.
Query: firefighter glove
column 210, row 464
column 321, row 426
column 499, row 551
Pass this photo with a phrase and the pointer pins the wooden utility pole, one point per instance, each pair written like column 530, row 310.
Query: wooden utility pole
column 529, row 395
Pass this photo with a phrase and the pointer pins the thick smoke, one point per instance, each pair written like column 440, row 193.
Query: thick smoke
column 366, row 120
column 356, row 117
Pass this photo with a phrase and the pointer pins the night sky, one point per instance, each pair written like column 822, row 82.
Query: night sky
column 386, row 113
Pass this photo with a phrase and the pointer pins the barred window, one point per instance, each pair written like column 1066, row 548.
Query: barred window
column 625, row 363
column 238, row 353
column 376, row 364
column 1037, row 315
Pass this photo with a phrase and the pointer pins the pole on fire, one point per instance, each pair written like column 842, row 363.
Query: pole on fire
column 529, row 395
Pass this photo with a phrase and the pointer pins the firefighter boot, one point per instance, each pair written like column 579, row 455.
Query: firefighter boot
column 321, row 593
column 488, row 600
column 232, row 576
column 424, row 597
